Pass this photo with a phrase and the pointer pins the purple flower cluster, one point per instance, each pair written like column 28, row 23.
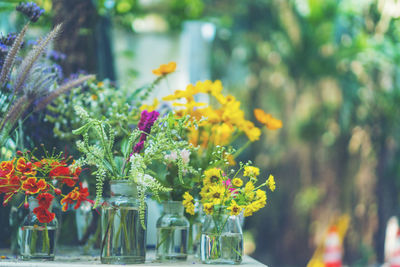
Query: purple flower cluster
column 31, row 10
column 147, row 120
column 9, row 39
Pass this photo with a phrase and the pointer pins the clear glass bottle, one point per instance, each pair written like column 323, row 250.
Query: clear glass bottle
column 37, row 240
column 221, row 239
column 172, row 233
column 196, row 230
column 123, row 236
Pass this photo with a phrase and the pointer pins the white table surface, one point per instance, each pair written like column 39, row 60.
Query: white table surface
column 81, row 261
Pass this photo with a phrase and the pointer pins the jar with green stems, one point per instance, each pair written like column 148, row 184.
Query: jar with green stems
column 37, row 241
column 123, row 233
column 222, row 238
column 172, row 233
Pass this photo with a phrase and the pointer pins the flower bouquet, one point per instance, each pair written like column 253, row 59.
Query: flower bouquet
column 129, row 168
column 224, row 197
column 39, row 181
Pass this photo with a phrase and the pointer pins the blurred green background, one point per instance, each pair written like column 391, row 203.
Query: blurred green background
column 329, row 69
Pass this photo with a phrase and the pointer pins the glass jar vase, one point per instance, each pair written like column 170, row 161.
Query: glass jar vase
column 221, row 239
column 123, row 235
column 172, row 233
column 37, row 240
column 195, row 229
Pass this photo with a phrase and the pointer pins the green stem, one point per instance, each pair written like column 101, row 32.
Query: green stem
column 33, row 241
column 240, row 150
column 46, row 242
column 123, row 219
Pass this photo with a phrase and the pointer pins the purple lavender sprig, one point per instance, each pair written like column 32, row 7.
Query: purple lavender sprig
column 146, row 121
column 9, row 39
column 31, row 10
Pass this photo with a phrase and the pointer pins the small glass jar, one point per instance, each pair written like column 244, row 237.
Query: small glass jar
column 123, row 235
column 37, row 240
column 221, row 239
column 172, row 233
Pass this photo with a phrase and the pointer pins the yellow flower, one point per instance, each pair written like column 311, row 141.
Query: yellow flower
column 237, row 182
column 248, row 211
column 251, row 131
column 216, row 194
column 212, row 176
column 261, row 195
column 222, row 134
column 271, row 183
column 94, row 97
column 249, row 190
column 234, row 208
column 165, row 69
column 231, row 159
column 152, row 107
column 204, row 191
column 190, row 208
column 251, row 171
column 187, row 198
column 208, row 208
column 267, row 119
column 100, row 84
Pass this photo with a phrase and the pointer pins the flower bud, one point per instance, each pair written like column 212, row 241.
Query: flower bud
column 26, row 205
column 57, row 191
column 19, row 153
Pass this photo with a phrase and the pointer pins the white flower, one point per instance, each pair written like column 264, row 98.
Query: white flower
column 185, row 154
column 172, row 156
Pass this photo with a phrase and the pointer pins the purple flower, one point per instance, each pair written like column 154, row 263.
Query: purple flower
column 146, row 121
column 138, row 147
column 31, row 10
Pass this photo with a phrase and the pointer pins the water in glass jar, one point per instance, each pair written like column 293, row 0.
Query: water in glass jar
column 37, row 242
column 123, row 237
column 225, row 249
column 172, row 243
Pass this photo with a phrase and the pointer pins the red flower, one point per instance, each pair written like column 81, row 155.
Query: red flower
column 33, row 187
column 6, row 168
column 43, row 215
column 9, row 184
column 45, row 200
column 75, row 195
column 26, row 168
column 63, row 173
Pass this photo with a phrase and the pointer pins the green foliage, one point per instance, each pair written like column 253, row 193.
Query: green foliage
column 118, row 163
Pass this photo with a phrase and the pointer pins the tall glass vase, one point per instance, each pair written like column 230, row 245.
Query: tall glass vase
column 221, row 239
column 123, row 236
column 172, row 233
column 37, row 240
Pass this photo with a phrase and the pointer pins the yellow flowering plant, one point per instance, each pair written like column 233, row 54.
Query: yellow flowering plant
column 221, row 193
column 219, row 122
column 225, row 196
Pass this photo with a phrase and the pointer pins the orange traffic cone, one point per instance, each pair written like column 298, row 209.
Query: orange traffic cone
column 394, row 260
column 333, row 249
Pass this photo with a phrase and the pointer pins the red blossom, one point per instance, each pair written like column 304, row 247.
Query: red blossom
column 78, row 195
column 33, row 187
column 43, row 215
column 25, row 167
column 45, row 200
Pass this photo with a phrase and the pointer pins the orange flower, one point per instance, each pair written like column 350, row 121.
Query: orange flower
column 165, row 69
column 33, row 187
column 26, row 168
column 267, row 119
column 78, row 195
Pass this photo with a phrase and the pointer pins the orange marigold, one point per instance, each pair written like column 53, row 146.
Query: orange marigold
column 165, row 69
column 267, row 119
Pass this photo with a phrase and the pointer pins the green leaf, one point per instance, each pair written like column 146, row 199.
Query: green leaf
column 82, row 129
column 125, row 149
